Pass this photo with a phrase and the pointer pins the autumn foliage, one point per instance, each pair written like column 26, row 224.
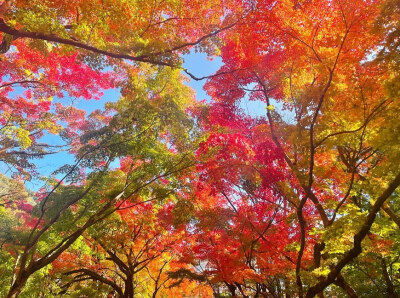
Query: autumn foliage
column 153, row 192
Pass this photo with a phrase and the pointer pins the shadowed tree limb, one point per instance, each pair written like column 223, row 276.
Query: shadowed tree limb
column 150, row 58
column 356, row 249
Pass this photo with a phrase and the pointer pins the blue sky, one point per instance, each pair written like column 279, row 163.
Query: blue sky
column 196, row 63
column 199, row 65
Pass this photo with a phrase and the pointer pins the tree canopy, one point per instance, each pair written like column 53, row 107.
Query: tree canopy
column 162, row 194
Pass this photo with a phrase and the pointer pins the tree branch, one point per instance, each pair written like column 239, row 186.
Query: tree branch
column 356, row 249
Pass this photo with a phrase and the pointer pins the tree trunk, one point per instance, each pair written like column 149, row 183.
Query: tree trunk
column 340, row 281
column 389, row 284
column 232, row 289
column 18, row 285
column 129, row 289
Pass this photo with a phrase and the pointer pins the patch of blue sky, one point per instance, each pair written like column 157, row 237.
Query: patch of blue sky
column 200, row 66
column 49, row 163
column 197, row 63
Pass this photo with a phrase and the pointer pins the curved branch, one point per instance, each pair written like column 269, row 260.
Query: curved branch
column 393, row 216
column 356, row 249
column 94, row 276
column 20, row 83
column 189, row 44
column 142, row 58
column 367, row 120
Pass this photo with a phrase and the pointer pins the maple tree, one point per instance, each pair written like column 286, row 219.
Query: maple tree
column 152, row 149
column 49, row 48
column 131, row 255
column 57, row 49
column 172, row 198
column 317, row 67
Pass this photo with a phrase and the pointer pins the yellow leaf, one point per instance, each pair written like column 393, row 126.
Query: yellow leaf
column 270, row 107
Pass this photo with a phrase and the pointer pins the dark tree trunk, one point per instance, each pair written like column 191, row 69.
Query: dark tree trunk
column 389, row 284
column 232, row 289
column 129, row 289
column 18, row 285
column 340, row 281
